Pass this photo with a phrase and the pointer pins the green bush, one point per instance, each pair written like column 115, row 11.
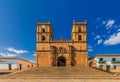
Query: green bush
column 101, row 67
column 115, row 62
column 102, row 62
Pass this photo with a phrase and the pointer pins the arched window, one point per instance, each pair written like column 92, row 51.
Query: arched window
column 79, row 30
column 43, row 29
column 79, row 37
column 43, row 38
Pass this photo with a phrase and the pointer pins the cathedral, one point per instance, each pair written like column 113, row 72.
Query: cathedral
column 50, row 52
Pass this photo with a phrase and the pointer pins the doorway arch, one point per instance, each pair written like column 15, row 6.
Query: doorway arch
column 91, row 64
column 61, row 61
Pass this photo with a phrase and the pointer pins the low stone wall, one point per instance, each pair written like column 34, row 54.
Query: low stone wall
column 6, row 70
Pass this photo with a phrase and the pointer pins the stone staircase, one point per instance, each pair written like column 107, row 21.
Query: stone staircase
column 61, row 72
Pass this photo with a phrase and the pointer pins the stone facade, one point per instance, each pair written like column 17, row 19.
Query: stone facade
column 61, row 52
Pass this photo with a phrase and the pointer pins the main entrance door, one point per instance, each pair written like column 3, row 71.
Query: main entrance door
column 61, row 61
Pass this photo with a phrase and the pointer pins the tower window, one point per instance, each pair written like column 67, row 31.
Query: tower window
column 43, row 38
column 43, row 29
column 79, row 37
column 79, row 30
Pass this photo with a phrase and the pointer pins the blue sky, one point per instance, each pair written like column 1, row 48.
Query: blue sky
column 18, row 24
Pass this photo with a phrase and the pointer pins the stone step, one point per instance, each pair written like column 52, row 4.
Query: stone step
column 60, row 72
column 86, row 77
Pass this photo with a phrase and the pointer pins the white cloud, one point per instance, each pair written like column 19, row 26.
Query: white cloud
column 32, row 61
column 90, row 48
column 34, row 53
column 97, row 37
column 7, row 54
column 11, row 49
column 103, row 22
column 2, row 54
column 113, row 40
column 99, row 41
column 109, row 24
column 118, row 30
column 11, row 55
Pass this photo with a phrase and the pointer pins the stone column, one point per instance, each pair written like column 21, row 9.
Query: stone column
column 55, row 59
column 52, row 58
column 68, row 62
column 69, row 59
column 36, row 61
column 37, row 65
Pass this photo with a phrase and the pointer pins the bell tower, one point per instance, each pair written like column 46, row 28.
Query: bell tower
column 79, row 37
column 79, row 31
column 44, row 32
column 44, row 36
